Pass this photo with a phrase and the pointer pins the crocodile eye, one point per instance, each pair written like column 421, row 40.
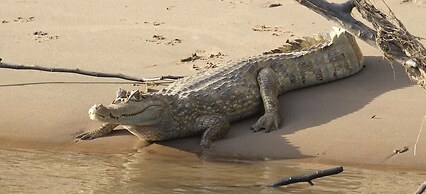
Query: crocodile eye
column 135, row 96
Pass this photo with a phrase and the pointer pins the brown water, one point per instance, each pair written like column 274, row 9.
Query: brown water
column 29, row 171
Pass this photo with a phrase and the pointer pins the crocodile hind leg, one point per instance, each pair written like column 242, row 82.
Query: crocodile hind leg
column 102, row 131
column 214, row 126
column 268, row 84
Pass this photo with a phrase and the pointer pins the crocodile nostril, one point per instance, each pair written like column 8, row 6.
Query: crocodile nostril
column 95, row 108
column 99, row 106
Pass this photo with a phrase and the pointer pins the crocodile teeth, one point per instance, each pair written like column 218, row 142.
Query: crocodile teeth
column 112, row 116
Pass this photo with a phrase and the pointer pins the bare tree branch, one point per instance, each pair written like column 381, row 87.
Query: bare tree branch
column 166, row 82
column 85, row 72
column 395, row 42
column 389, row 35
column 341, row 13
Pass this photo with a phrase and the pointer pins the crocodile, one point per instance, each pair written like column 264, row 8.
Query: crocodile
column 205, row 104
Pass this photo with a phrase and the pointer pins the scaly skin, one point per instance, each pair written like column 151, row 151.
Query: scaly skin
column 206, row 103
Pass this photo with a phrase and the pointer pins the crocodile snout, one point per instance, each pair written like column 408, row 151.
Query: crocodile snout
column 96, row 108
column 94, row 111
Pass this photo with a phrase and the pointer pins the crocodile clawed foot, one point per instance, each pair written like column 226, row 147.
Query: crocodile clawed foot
column 267, row 123
column 84, row 136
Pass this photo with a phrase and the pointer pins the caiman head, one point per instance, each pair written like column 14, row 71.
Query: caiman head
column 132, row 108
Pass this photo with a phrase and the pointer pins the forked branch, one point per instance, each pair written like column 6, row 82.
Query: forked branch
column 389, row 34
column 341, row 13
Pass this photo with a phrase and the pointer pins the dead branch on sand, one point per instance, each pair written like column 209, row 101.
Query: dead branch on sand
column 389, row 34
column 88, row 73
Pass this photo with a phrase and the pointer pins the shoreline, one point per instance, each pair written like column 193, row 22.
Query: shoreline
column 164, row 151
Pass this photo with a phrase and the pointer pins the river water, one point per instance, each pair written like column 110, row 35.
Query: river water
column 31, row 171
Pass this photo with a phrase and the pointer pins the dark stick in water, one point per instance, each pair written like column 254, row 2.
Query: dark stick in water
column 308, row 177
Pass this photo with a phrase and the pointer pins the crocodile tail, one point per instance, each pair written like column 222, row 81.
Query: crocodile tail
column 339, row 33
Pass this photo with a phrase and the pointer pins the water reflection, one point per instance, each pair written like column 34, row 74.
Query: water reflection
column 24, row 171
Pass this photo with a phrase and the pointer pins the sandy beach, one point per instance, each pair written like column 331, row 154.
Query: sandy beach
column 358, row 120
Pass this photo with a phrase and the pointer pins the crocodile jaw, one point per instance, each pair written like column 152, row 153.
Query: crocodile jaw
column 125, row 115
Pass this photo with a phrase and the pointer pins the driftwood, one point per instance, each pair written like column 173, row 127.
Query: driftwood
column 308, row 177
column 88, row 73
column 389, row 34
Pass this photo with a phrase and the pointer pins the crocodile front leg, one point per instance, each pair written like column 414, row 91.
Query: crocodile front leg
column 214, row 126
column 268, row 84
column 102, row 131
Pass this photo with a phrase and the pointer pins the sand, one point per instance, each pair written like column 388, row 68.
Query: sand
column 358, row 120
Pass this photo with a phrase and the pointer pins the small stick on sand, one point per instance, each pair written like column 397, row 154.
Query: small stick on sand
column 421, row 189
column 418, row 136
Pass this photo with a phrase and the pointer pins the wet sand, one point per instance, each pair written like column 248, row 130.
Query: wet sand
column 358, row 120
